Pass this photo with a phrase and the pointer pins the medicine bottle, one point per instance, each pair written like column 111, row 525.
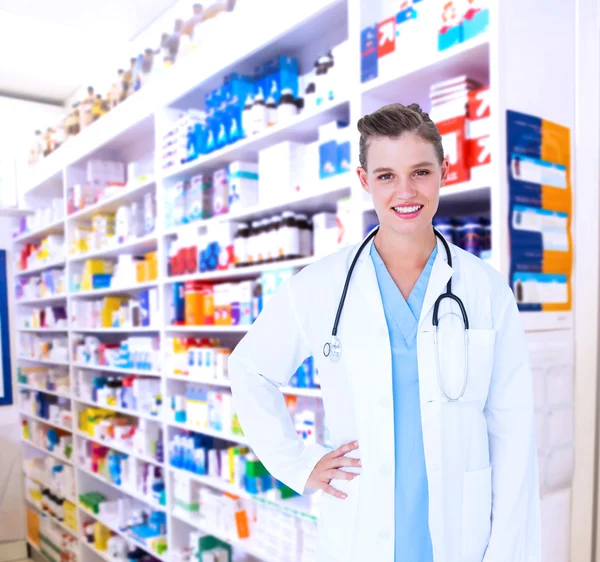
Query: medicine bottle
column 273, row 251
column 287, row 108
column 262, row 240
column 257, row 300
column 306, row 235
column 240, row 245
column 247, row 116
column 272, row 114
column 290, row 236
column 259, row 113
column 252, row 243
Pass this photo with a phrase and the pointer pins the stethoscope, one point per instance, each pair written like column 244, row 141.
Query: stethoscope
column 333, row 348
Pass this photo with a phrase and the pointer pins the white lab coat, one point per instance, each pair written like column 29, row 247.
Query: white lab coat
column 480, row 452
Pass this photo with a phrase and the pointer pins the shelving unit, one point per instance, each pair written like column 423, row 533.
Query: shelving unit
column 304, row 29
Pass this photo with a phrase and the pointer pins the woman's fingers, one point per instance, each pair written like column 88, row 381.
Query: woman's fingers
column 346, row 448
column 333, row 492
column 340, row 475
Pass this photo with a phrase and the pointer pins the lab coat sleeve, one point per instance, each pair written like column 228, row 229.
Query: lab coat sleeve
column 265, row 359
column 516, row 526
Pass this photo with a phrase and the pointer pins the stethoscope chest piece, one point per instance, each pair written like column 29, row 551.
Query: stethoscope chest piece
column 333, row 349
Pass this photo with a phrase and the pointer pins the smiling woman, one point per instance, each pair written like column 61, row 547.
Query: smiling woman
column 437, row 453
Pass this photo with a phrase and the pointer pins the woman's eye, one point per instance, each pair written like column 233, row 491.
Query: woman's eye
column 422, row 173
column 385, row 177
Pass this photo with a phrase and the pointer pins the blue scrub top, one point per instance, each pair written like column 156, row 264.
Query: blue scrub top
column 412, row 539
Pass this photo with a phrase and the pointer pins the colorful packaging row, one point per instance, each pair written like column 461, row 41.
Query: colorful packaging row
column 51, row 249
column 435, row 25
column 200, row 409
column 55, row 506
column 140, row 436
column 49, row 317
column 32, row 346
column 198, row 359
column 54, row 477
column 53, row 440
column 54, row 379
column 246, row 105
column 116, row 312
column 140, row 395
column 195, row 303
column 139, row 353
column 54, row 409
column 132, row 518
column 108, row 230
column 47, row 284
column 126, row 472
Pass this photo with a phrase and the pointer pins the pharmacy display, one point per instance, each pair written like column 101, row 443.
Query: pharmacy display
column 6, row 396
column 540, row 212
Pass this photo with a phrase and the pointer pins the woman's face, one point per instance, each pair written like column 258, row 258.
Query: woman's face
column 404, row 177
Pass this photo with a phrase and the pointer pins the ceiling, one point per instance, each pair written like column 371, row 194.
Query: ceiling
column 52, row 47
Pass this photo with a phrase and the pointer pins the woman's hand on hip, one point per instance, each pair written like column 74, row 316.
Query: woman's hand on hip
column 328, row 467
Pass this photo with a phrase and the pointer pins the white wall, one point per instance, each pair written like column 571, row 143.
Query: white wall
column 18, row 121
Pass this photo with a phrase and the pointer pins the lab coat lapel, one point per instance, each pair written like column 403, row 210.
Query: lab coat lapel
column 367, row 357
column 440, row 275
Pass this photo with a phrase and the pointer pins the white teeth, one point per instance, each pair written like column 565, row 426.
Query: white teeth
column 405, row 210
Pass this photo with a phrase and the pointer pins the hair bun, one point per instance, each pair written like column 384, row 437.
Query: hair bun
column 415, row 107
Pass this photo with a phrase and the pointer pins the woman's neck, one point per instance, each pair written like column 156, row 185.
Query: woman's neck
column 405, row 252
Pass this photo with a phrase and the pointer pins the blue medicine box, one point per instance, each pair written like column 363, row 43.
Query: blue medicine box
column 279, row 74
column 369, row 66
column 449, row 37
column 479, row 23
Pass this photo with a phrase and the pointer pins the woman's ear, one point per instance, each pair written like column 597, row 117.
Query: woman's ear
column 445, row 170
column 362, row 177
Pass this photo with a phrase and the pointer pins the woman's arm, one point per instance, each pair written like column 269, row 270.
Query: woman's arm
column 516, row 527
column 264, row 360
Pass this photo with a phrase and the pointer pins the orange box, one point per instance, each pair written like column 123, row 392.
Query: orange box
column 453, row 133
column 208, row 304
column 141, row 271
column 194, row 303
column 152, row 266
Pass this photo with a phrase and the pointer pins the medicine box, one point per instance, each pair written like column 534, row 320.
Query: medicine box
column 455, row 148
column 199, row 198
column 242, row 180
column 281, row 171
column 220, row 192
column 368, row 54
column 451, row 29
column 475, row 19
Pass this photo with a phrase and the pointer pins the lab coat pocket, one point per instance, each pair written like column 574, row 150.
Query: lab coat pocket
column 481, row 363
column 476, row 514
column 337, row 521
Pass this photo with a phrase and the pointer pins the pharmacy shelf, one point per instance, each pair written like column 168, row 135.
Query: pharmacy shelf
column 131, row 330
column 413, row 76
column 243, row 272
column 64, row 527
column 117, row 447
column 118, row 290
column 39, row 483
column 43, row 330
column 56, row 227
column 133, row 494
column 210, row 329
column 323, row 197
column 50, row 392
column 97, row 552
column 243, row 544
column 124, row 411
column 210, row 481
column 140, row 245
column 107, row 369
column 302, row 128
column 42, row 301
column 129, row 538
column 45, row 421
column 210, row 432
column 291, row 391
column 44, row 361
column 61, row 458
column 122, row 196
column 42, row 267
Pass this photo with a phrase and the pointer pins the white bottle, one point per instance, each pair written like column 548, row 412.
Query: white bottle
column 259, row 113
column 272, row 114
column 247, row 116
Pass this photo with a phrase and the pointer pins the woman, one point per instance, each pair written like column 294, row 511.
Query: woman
column 436, row 456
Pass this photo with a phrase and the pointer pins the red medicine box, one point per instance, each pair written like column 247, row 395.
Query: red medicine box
column 453, row 133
